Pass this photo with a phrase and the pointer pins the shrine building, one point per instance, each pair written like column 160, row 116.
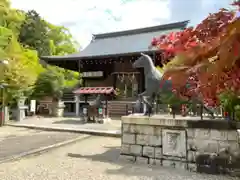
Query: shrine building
column 106, row 65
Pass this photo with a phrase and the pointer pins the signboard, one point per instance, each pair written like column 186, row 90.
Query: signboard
column 100, row 111
column 92, row 74
column 33, row 106
column 85, row 111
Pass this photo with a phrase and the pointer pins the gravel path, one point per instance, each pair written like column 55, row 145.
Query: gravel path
column 91, row 159
column 15, row 141
column 8, row 132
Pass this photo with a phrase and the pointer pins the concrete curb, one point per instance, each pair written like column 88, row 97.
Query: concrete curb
column 42, row 150
column 83, row 131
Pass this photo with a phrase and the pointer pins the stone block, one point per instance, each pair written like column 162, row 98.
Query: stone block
column 209, row 146
column 232, row 146
column 174, row 143
column 142, row 139
column 126, row 128
column 218, row 134
column 191, row 157
column 148, row 140
column 191, row 144
column 127, row 158
column 167, row 121
column 158, row 153
column 125, row 149
column 157, row 131
column 174, row 158
column 202, row 133
column 142, row 129
column 136, row 150
column 133, row 128
column 232, row 135
column 190, row 133
column 148, row 151
column 141, row 160
column 135, row 119
column 147, row 130
column 156, row 162
column 128, row 138
column 155, row 140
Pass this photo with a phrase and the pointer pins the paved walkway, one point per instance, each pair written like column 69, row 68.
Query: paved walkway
column 70, row 124
column 93, row 159
column 16, row 141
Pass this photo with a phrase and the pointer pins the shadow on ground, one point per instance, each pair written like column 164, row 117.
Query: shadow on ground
column 111, row 155
column 131, row 169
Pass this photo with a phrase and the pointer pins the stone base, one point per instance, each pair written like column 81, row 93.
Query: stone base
column 57, row 112
column 184, row 143
column 58, row 109
column 157, row 162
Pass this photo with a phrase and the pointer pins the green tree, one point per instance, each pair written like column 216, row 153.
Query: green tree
column 61, row 40
column 23, row 67
column 49, row 39
column 33, row 33
column 54, row 81
column 10, row 18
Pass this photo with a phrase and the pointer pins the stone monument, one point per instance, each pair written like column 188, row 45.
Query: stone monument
column 21, row 109
column 152, row 81
column 156, row 86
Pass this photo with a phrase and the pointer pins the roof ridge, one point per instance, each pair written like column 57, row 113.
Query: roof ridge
column 181, row 24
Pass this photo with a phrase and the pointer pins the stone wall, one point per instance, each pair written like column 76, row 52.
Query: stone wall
column 184, row 142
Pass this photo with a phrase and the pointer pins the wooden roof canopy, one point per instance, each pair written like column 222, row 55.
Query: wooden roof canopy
column 115, row 44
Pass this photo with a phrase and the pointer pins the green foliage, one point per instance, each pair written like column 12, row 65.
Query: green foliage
column 10, row 18
column 23, row 67
column 23, row 38
column 33, row 34
column 54, row 81
column 168, row 97
column 61, row 41
column 49, row 39
column 230, row 102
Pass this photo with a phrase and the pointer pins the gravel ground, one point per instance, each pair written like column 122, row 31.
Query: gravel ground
column 91, row 159
column 8, row 132
column 15, row 141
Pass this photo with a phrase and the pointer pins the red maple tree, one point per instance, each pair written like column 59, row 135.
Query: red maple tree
column 206, row 57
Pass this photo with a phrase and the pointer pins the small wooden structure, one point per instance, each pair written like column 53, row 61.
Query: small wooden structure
column 97, row 110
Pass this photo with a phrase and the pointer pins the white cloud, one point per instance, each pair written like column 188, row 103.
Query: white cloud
column 85, row 18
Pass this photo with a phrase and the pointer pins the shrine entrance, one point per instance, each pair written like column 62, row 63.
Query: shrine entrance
column 127, row 84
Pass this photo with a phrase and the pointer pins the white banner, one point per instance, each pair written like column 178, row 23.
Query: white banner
column 33, row 106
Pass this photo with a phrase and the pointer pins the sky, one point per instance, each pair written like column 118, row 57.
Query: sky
column 85, row 18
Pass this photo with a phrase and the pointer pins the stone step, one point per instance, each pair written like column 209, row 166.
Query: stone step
column 118, row 108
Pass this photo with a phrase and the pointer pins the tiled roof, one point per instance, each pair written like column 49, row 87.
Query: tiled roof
column 123, row 42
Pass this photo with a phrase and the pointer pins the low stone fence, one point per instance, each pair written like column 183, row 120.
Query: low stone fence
column 210, row 146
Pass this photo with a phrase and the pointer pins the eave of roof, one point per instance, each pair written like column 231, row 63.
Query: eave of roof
column 120, row 43
column 74, row 58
